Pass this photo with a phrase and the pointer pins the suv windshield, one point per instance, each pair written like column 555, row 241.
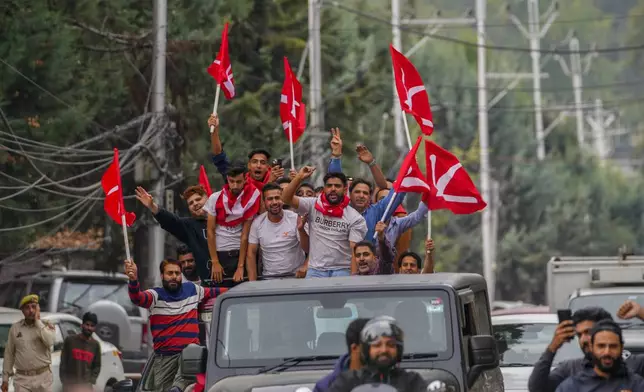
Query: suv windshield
column 523, row 344
column 610, row 302
column 259, row 331
column 78, row 295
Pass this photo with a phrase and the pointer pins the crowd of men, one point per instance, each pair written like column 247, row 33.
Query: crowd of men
column 266, row 223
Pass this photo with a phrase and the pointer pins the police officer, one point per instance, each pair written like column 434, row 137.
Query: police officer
column 381, row 344
column 608, row 373
column 28, row 350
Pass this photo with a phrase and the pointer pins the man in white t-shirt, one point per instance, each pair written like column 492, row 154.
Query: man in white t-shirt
column 280, row 236
column 230, row 214
column 334, row 226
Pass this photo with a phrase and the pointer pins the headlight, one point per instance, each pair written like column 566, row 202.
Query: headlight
column 440, row 386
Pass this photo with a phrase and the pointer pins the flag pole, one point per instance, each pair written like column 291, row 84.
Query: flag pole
column 216, row 104
column 126, row 240
column 429, row 212
column 290, row 143
column 391, row 202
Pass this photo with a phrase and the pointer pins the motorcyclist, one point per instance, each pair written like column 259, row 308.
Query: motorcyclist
column 381, row 344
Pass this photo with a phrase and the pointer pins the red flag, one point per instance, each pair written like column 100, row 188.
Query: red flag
column 111, row 182
column 203, row 180
column 411, row 91
column 410, row 177
column 292, row 109
column 452, row 187
column 221, row 70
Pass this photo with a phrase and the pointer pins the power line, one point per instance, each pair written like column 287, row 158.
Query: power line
column 474, row 45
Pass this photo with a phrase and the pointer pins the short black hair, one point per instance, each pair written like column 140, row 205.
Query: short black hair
column 606, row 325
column 236, row 169
column 353, row 332
column 89, row 316
column 318, row 189
column 392, row 180
column 338, row 175
column 368, row 244
column 259, row 151
column 166, row 262
column 271, row 186
column 183, row 249
column 306, row 185
column 382, row 189
column 358, row 181
column 414, row 255
column 283, row 180
column 591, row 313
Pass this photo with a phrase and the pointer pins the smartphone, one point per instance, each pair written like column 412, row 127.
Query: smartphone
column 277, row 162
column 564, row 315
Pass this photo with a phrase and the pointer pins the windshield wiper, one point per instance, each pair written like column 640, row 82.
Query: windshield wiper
column 290, row 362
column 514, row 364
column 420, row 356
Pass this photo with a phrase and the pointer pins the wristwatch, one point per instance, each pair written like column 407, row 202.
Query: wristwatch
column 372, row 163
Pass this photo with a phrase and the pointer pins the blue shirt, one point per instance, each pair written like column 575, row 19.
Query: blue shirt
column 374, row 213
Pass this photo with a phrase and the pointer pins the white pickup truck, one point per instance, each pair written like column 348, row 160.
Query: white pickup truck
column 578, row 282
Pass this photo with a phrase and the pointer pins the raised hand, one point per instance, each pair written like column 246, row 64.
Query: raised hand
column 629, row 310
column 213, row 121
column 144, row 197
column 380, row 229
column 336, row 142
column 131, row 270
column 429, row 245
column 306, row 172
column 364, row 154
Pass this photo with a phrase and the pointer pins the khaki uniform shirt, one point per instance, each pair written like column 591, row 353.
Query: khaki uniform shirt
column 28, row 347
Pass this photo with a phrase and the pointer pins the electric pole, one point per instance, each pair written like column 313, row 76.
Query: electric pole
column 534, row 33
column 484, row 171
column 397, row 43
column 315, row 86
column 575, row 72
column 156, row 235
column 599, row 121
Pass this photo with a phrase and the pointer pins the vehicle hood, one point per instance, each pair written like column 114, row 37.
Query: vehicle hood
column 515, row 379
column 291, row 381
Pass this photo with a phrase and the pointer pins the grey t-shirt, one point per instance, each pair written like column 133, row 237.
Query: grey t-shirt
column 279, row 243
column 329, row 237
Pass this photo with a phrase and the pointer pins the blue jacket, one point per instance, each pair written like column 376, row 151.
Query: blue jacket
column 374, row 213
column 324, row 384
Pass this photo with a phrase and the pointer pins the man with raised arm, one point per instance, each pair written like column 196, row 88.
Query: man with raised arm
column 173, row 319
column 334, row 226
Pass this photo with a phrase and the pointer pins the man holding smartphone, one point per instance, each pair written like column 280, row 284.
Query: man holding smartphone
column 579, row 323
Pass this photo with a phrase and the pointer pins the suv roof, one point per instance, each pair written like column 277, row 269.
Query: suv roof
column 73, row 274
column 373, row 282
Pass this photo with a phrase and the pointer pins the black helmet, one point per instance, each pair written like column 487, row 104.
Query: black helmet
column 376, row 328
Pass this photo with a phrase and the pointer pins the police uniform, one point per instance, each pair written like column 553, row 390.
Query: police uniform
column 28, row 350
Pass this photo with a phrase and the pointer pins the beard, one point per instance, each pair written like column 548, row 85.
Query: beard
column 87, row 333
column 190, row 273
column 171, row 285
column 383, row 362
column 613, row 368
column 334, row 198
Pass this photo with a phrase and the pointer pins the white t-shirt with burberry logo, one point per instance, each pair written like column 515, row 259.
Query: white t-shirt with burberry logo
column 329, row 236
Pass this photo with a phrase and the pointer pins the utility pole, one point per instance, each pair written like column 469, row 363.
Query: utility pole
column 156, row 235
column 599, row 121
column 397, row 43
column 575, row 72
column 534, row 33
column 484, row 171
column 315, row 85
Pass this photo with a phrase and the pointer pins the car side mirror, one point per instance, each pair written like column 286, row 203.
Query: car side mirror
column 126, row 385
column 193, row 360
column 483, row 356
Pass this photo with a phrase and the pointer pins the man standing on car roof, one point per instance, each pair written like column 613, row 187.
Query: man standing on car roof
column 173, row 320
column 28, row 351
column 543, row 379
column 80, row 360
